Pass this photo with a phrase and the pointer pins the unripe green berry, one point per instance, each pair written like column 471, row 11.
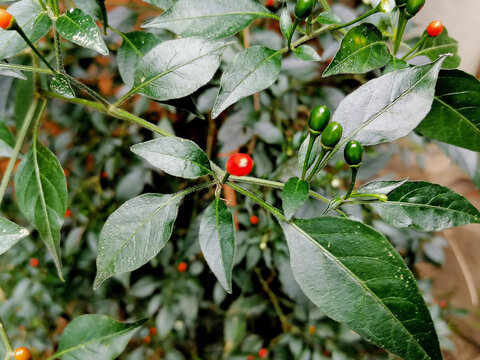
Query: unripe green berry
column 353, row 153
column 318, row 121
column 414, row 6
column 331, row 135
column 303, row 8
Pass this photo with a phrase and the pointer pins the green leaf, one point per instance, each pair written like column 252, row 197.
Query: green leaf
column 389, row 107
column 294, row 195
column 10, row 234
column 217, row 241
column 455, row 114
column 329, row 18
column 96, row 9
column 81, row 29
column 362, row 50
column 175, row 156
column 302, row 152
column 252, row 70
column 41, row 191
column 135, row 45
column 7, row 140
column 187, row 103
column 177, row 68
column 441, row 45
column 286, row 24
column 395, row 64
column 210, row 19
column 380, row 187
column 162, row 4
column 17, row 74
column 307, row 53
column 61, row 86
column 32, row 19
column 95, row 336
column 427, row 207
column 135, row 233
column 354, row 275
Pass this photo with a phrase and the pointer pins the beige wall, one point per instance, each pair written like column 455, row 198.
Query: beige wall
column 462, row 19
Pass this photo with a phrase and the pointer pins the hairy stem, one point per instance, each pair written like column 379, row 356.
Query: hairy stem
column 6, row 341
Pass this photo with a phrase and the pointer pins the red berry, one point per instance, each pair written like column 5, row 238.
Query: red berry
column 239, row 164
column 443, row 304
column 270, row 3
column 104, row 175
column 5, row 19
column 435, row 28
column 22, row 353
column 146, row 340
column 250, row 357
column 34, row 262
column 182, row 267
column 152, row 331
column 68, row 213
column 254, row 220
column 262, row 353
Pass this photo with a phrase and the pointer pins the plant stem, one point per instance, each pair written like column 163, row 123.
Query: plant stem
column 18, row 145
column 317, row 166
column 360, row 18
column 307, row 155
column 289, row 40
column 58, row 50
column 402, row 23
column 25, row 68
column 352, row 183
column 325, row 5
column 89, row 91
column 6, row 341
column 417, row 45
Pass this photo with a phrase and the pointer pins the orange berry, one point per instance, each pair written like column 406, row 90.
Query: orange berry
column 34, row 262
column 104, row 175
column 250, row 357
column 443, row 304
column 6, row 19
column 68, row 213
column 254, row 220
column 152, row 331
column 146, row 340
column 182, row 267
column 262, row 353
column 312, row 330
column 22, row 353
column 435, row 28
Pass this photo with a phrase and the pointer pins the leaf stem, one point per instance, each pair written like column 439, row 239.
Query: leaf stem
column 325, row 5
column 318, row 166
column 307, row 156
column 6, row 341
column 417, row 45
column 360, row 18
column 25, row 68
column 58, row 50
column 402, row 23
column 352, row 183
column 290, row 36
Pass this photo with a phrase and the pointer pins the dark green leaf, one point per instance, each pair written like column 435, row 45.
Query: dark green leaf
column 328, row 18
column 353, row 274
column 380, row 187
column 187, row 103
column 177, row 68
column 286, row 24
column 10, row 234
column 395, row 64
column 362, row 50
column 12, row 73
column 217, row 241
column 175, row 156
column 61, row 86
column 455, row 114
column 210, row 19
column 7, row 141
column 81, row 29
column 389, row 107
column 32, row 19
column 135, row 45
column 41, row 191
column 135, row 233
column 96, row 9
column 307, row 53
column 252, row 70
column 428, row 207
column 440, row 45
column 95, row 337
column 294, row 195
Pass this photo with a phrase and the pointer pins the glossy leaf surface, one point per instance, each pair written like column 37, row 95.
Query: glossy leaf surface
column 41, row 191
column 389, row 107
column 286, row 23
column 428, row 207
column 81, row 29
column 362, row 50
column 135, row 233
column 210, row 19
column 175, row 156
column 61, row 86
column 10, row 234
column 455, row 114
column 294, row 195
column 252, row 70
column 307, row 53
column 95, row 337
column 354, row 275
column 177, row 68
column 217, row 241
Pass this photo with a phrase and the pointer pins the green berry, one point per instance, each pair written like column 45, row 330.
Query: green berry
column 353, row 153
column 414, row 6
column 303, row 8
column 331, row 135
column 319, row 118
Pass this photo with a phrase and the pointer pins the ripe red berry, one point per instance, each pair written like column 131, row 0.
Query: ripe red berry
column 239, row 164
column 250, row 357
column 22, row 353
column 5, row 19
column 182, row 267
column 152, row 331
column 435, row 28
column 262, row 353
column 254, row 220
column 270, row 2
column 34, row 262
column 443, row 304
column 104, row 175
column 68, row 213
column 146, row 340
